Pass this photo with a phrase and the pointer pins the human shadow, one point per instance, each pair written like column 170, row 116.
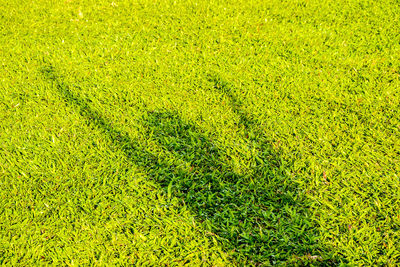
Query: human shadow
column 260, row 215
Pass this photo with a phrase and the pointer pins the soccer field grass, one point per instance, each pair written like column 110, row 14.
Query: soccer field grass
column 215, row 133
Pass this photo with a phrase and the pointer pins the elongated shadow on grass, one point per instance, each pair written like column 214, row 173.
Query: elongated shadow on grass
column 260, row 215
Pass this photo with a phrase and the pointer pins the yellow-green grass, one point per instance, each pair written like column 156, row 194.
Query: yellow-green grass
column 199, row 132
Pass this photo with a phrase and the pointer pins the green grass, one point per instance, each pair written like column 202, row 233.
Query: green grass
column 200, row 132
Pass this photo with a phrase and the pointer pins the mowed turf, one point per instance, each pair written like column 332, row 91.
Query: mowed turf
column 199, row 132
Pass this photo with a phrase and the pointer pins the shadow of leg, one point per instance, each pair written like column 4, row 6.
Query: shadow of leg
column 261, row 214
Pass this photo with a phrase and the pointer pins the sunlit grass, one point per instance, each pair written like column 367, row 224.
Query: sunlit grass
column 209, row 132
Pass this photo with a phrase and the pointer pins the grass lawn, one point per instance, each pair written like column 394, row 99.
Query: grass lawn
column 215, row 133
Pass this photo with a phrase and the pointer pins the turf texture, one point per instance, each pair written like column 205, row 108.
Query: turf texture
column 215, row 133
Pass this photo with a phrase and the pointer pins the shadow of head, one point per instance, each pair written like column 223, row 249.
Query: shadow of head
column 49, row 73
column 184, row 140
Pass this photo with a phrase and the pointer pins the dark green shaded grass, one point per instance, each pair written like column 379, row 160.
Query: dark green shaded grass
column 260, row 216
